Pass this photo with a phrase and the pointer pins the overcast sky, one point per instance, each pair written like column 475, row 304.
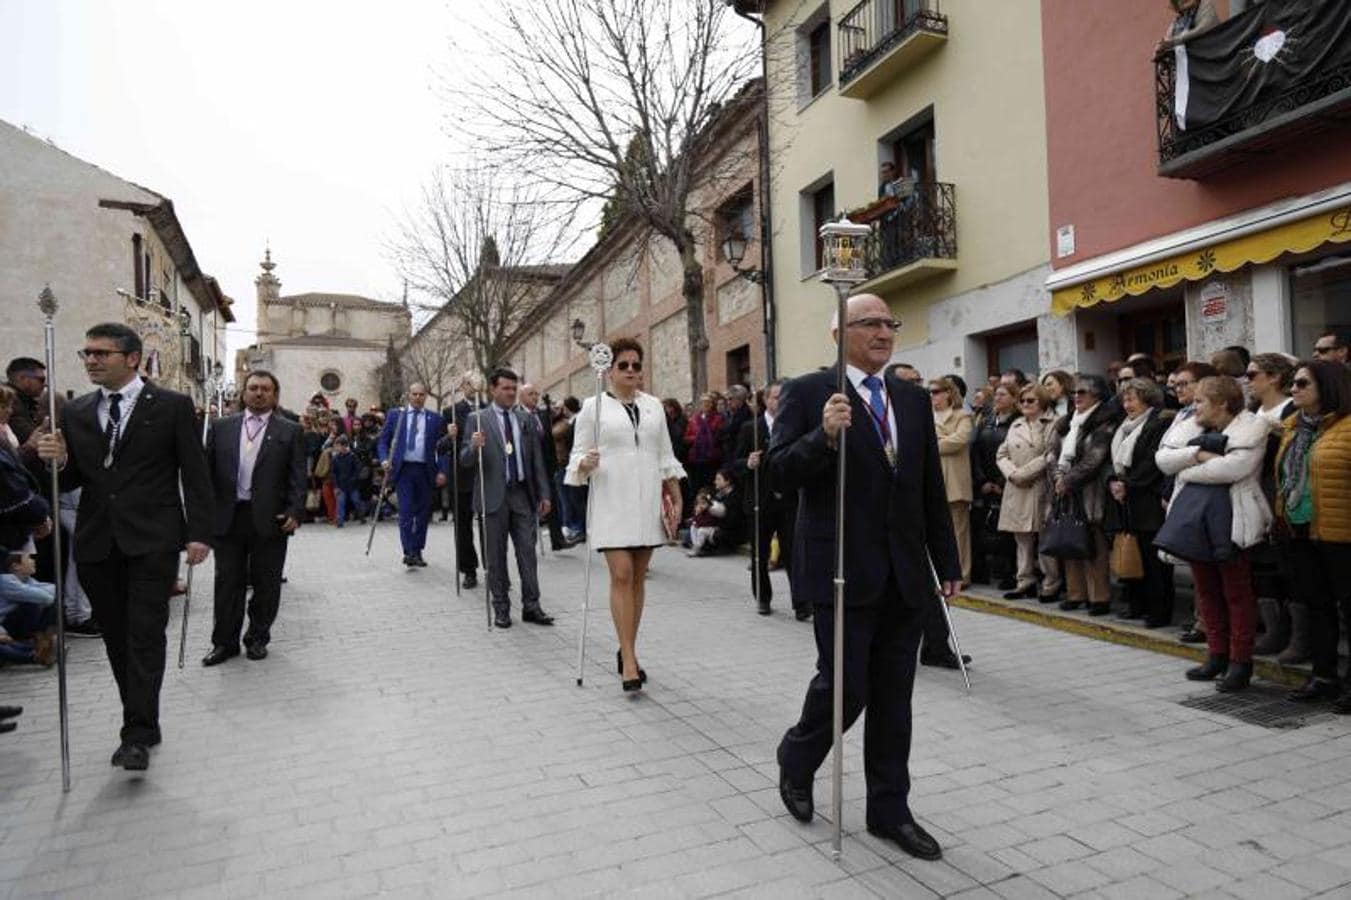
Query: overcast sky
column 307, row 124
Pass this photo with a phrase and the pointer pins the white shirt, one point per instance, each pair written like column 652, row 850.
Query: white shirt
column 856, row 376
column 415, row 450
column 248, row 450
column 129, row 393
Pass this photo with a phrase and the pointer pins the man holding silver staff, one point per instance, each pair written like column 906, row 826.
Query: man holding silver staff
column 412, row 464
column 897, row 517
column 778, row 507
column 257, row 463
column 512, row 494
column 130, row 444
column 462, row 486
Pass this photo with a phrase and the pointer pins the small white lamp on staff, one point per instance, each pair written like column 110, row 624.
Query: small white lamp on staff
column 48, row 305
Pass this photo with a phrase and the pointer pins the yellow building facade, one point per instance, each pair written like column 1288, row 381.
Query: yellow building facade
column 952, row 95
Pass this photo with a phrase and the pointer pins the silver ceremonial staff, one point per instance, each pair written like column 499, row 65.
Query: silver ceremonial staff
column 483, row 508
column 844, row 265
column 211, row 389
column 384, row 479
column 600, row 358
column 455, row 496
column 947, row 614
column 755, row 486
column 47, row 304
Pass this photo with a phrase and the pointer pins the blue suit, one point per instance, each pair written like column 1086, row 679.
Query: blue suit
column 414, row 481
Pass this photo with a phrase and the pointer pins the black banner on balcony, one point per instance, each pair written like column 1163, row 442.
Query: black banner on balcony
column 1261, row 53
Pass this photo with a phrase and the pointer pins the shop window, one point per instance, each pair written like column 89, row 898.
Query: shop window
column 1320, row 301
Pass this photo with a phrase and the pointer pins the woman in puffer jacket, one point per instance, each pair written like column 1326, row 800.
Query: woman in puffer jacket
column 1173, row 454
column 1229, row 452
column 1313, row 503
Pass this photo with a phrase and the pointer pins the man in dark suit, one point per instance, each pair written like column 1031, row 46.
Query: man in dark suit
column 462, row 486
column 897, row 517
column 514, row 494
column 257, row 463
column 407, row 449
column 130, row 444
column 541, row 424
column 778, row 507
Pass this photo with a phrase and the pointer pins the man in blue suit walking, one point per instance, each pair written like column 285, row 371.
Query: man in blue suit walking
column 407, row 450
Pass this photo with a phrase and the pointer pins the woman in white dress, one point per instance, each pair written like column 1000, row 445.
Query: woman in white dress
column 635, row 491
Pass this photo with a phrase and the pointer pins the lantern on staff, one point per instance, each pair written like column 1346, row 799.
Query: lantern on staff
column 844, row 252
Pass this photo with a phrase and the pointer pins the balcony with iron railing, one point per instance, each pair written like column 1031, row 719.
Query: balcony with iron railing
column 914, row 234
column 879, row 39
column 1261, row 89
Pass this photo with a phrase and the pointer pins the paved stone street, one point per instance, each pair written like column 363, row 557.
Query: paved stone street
column 390, row 745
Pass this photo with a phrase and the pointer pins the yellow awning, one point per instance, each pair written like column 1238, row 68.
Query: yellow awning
column 1299, row 236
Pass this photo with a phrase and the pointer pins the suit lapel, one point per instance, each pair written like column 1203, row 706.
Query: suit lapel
column 230, row 433
column 145, row 404
column 864, row 416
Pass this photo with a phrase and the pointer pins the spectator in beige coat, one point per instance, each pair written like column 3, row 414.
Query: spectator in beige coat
column 1022, row 459
column 953, row 425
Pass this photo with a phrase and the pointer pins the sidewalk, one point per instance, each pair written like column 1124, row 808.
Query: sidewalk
column 390, row 744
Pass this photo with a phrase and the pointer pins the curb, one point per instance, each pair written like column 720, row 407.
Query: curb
column 1120, row 633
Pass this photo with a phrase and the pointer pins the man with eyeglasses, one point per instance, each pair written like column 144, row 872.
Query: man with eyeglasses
column 1333, row 346
column 898, row 517
column 130, row 444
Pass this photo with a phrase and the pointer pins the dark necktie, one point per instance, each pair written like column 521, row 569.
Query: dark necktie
column 114, row 427
column 512, row 470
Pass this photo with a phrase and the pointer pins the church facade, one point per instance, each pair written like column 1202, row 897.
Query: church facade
column 322, row 343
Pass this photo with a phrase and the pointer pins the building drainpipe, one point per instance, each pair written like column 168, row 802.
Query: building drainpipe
column 766, row 242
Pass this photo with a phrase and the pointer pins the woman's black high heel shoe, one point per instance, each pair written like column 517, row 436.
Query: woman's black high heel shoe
column 619, row 667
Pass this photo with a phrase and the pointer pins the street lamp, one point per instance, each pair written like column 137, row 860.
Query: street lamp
column 734, row 251
column 578, row 330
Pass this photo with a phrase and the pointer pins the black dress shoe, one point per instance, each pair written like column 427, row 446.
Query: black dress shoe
column 1192, row 636
column 1021, row 594
column 132, row 757
column 1342, row 705
column 470, row 581
column 1048, row 598
column 1068, row 605
column 410, row 562
column 537, row 617
column 9, row 712
column 911, row 838
column 946, row 660
column 1099, row 609
column 218, row 655
column 631, row 684
column 502, row 620
column 763, row 609
column 419, row 561
column 802, row 615
column 797, row 798
column 256, row 651
column 1313, row 690
column 1212, row 668
column 6, row 727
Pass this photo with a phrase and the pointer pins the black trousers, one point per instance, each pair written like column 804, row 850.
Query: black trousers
column 130, row 599
column 778, row 515
column 244, row 558
column 555, row 518
column 880, row 647
column 466, row 558
column 1322, row 572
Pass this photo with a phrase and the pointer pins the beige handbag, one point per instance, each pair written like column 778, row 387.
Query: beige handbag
column 1126, row 561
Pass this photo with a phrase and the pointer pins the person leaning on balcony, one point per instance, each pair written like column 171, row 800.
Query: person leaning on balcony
column 1136, row 487
column 1174, row 455
column 1313, row 502
column 953, row 425
column 1080, row 457
column 1193, row 17
column 1022, row 460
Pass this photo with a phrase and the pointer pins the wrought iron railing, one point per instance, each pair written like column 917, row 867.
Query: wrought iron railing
column 919, row 224
column 875, row 26
column 1175, row 141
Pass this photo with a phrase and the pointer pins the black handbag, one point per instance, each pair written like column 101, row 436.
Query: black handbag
column 1066, row 534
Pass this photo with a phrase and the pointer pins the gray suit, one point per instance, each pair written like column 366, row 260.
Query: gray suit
column 511, row 509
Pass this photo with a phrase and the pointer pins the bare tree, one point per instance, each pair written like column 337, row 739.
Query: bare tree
column 613, row 101
column 479, row 249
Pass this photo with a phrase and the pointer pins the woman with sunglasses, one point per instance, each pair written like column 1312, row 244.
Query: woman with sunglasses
column 1080, row 456
column 1313, row 501
column 635, row 501
column 953, row 425
column 1285, row 619
column 1174, row 454
column 1022, row 460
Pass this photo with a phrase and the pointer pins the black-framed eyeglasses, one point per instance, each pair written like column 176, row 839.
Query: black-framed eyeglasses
column 873, row 324
column 1028, row 401
column 1301, row 383
column 1324, row 349
column 626, row 365
column 99, row 355
column 1079, row 391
